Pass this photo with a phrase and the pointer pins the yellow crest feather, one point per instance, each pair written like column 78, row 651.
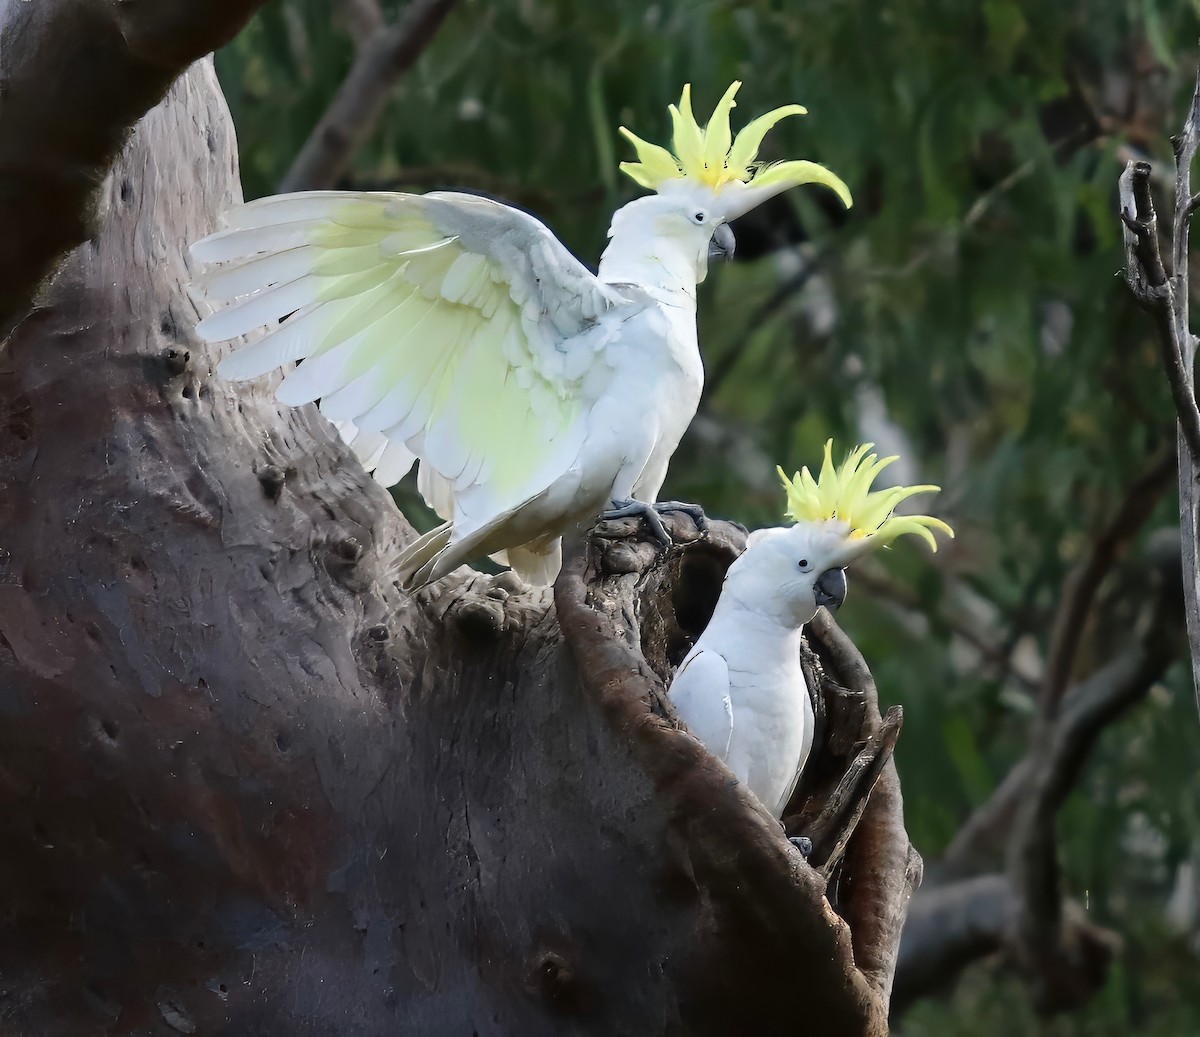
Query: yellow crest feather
column 844, row 493
column 712, row 156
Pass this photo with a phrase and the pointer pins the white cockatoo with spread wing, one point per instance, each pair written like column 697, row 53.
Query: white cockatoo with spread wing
column 741, row 689
column 456, row 331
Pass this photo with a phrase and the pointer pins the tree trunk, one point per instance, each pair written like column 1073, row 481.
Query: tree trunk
column 249, row 787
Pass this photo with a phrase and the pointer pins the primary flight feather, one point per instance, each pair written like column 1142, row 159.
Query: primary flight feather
column 454, row 331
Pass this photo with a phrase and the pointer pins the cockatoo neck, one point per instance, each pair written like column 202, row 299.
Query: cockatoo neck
column 648, row 261
column 654, row 249
column 744, row 598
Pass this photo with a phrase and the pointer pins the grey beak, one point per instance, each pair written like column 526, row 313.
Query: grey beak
column 831, row 588
column 722, row 245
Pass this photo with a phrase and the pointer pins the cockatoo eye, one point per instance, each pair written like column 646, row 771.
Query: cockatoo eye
column 805, row 567
column 698, row 218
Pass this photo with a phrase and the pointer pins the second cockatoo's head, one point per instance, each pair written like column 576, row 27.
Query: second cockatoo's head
column 711, row 178
column 791, row 571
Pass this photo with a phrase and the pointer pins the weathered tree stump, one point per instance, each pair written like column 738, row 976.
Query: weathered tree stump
column 248, row 787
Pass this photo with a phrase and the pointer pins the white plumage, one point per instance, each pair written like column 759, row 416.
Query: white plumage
column 741, row 689
column 458, row 331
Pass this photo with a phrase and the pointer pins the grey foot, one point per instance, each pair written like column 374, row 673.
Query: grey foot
column 802, row 843
column 692, row 511
column 638, row 509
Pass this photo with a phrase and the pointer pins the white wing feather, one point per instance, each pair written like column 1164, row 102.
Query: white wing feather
column 445, row 326
column 700, row 693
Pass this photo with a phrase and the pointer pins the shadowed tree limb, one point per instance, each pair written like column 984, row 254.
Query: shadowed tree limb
column 1059, row 753
column 968, row 911
column 383, row 56
column 363, row 18
column 1079, row 590
column 1167, row 297
column 74, row 78
column 981, row 836
column 952, row 927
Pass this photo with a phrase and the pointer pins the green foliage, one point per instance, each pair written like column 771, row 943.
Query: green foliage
column 974, row 289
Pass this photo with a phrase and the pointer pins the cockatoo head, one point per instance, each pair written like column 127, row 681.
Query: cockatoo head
column 838, row 518
column 787, row 572
column 712, row 178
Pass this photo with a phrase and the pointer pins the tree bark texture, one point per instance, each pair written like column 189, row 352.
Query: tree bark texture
column 248, row 787
column 74, row 77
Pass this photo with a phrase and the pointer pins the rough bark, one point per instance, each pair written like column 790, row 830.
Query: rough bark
column 248, row 787
column 75, row 75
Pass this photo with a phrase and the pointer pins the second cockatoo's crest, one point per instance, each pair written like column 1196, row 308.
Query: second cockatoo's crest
column 844, row 494
column 726, row 165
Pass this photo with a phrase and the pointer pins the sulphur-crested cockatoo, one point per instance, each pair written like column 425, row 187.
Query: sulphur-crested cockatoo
column 456, row 330
column 741, row 690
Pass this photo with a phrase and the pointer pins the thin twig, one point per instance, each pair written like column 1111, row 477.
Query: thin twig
column 989, row 828
column 879, row 584
column 1157, row 293
column 833, row 827
column 359, row 102
column 944, row 242
column 786, row 290
column 1080, row 587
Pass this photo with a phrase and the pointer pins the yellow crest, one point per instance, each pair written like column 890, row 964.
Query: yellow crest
column 711, row 156
column 844, row 493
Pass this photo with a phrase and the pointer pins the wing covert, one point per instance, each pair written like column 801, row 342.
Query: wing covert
column 455, row 327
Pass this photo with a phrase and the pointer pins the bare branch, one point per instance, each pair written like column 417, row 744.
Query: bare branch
column 988, row 829
column 1081, row 586
column 951, row 927
column 66, row 109
column 354, row 111
column 1058, row 761
column 786, row 290
column 876, row 580
column 363, row 18
column 943, row 244
column 884, row 865
column 1156, row 292
column 1168, row 302
column 1058, row 754
column 833, row 827
column 962, row 917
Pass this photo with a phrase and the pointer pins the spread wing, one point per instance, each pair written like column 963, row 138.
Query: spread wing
column 444, row 326
column 700, row 692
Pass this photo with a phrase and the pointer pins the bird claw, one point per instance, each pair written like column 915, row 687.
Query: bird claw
column 652, row 514
column 639, row 509
column 692, row 511
column 802, row 843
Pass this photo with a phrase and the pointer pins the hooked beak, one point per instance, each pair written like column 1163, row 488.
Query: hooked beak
column 831, row 588
column 722, row 244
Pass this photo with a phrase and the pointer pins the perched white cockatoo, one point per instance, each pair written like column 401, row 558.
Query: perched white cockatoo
column 456, row 330
column 741, row 690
